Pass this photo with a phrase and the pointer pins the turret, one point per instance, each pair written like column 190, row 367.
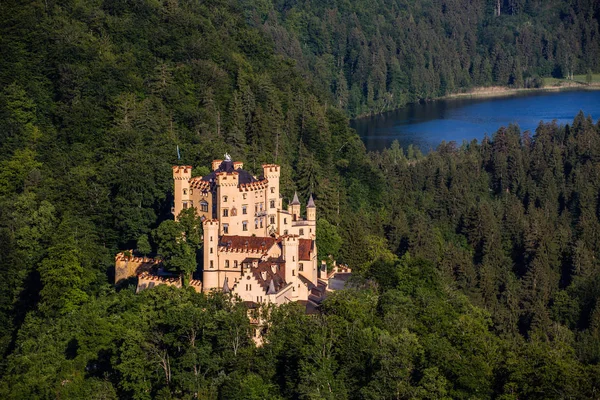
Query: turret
column 181, row 176
column 210, row 274
column 294, row 207
column 311, row 210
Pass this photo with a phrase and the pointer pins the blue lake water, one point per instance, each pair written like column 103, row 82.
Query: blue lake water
column 427, row 125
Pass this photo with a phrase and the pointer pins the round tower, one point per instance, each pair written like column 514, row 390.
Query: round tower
column 210, row 273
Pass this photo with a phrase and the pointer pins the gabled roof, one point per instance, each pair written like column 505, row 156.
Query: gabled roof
column 305, row 246
column 275, row 279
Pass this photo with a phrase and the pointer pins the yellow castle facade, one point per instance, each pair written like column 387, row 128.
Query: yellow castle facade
column 253, row 247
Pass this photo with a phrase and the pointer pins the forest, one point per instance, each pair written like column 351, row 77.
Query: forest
column 476, row 266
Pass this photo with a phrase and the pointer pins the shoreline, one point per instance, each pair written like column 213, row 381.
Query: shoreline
column 490, row 92
column 502, row 91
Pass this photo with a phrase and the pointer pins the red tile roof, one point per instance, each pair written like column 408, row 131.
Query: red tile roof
column 304, row 248
column 246, row 243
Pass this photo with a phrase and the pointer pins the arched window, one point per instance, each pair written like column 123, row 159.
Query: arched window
column 233, row 212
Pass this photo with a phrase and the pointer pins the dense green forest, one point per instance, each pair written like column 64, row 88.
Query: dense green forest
column 375, row 55
column 477, row 272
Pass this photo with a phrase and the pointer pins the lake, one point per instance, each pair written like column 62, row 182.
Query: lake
column 427, row 125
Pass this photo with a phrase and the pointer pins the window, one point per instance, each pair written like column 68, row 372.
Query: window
column 301, row 232
column 211, row 264
column 203, row 206
column 244, row 209
column 191, row 191
column 245, row 225
column 260, row 206
column 224, row 199
column 185, row 205
column 226, row 263
column 256, row 223
column 211, row 238
column 210, row 251
column 261, row 222
column 272, row 190
column 184, row 191
column 225, row 228
column 285, row 221
column 244, row 195
column 225, row 212
column 300, row 267
column 233, row 212
column 272, row 203
column 293, row 272
column 272, row 219
column 235, row 264
column 285, row 232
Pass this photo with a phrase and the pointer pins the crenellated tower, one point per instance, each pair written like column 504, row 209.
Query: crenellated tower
column 182, row 194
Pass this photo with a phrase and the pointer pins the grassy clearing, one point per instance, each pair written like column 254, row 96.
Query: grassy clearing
column 577, row 79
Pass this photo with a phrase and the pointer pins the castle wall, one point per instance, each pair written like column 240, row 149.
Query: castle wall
column 129, row 266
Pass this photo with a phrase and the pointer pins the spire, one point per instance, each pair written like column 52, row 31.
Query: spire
column 271, row 288
column 226, row 286
column 311, row 202
column 295, row 202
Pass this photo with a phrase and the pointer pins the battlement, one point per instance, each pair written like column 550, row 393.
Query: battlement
column 211, row 222
column 148, row 281
column 127, row 265
column 216, row 164
column 182, row 172
column 238, row 165
column 196, row 284
column 290, row 238
column 227, row 178
column 271, row 168
column 198, row 183
column 262, row 184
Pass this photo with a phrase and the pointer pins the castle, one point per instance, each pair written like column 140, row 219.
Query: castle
column 253, row 247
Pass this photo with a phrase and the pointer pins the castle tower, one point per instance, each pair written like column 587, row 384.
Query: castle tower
column 294, row 207
column 210, row 274
column 272, row 200
column 181, row 176
column 290, row 255
column 311, row 210
column 227, row 191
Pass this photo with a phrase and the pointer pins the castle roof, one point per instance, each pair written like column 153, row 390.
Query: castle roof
column 311, row 202
column 273, row 270
column 295, row 201
column 304, row 248
column 246, row 243
column 244, row 177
